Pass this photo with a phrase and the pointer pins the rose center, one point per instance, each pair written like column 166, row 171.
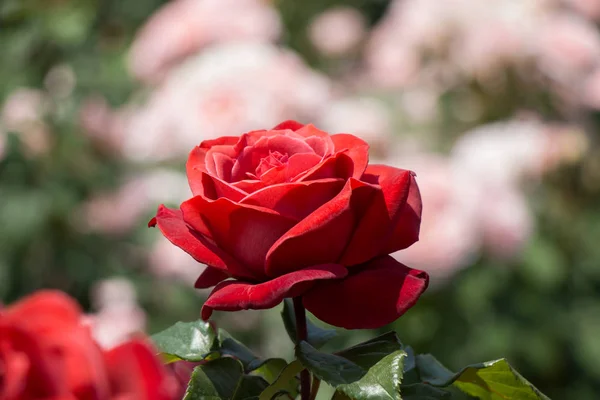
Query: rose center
column 274, row 159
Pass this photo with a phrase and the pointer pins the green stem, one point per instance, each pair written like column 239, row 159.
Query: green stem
column 302, row 334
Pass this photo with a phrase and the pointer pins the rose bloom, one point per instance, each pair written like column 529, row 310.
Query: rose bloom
column 46, row 352
column 294, row 211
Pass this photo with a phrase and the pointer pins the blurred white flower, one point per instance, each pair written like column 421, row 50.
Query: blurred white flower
column 337, row 31
column 226, row 90
column 182, row 27
column 118, row 315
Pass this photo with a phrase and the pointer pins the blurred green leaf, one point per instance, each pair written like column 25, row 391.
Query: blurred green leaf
column 317, row 337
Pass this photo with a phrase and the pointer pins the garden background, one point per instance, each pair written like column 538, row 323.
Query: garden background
column 494, row 104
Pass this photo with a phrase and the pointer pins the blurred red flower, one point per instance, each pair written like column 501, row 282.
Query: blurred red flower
column 294, row 211
column 46, row 352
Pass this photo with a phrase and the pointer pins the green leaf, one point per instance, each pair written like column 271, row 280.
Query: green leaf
column 494, row 380
column 250, row 387
column 330, row 368
column 433, row 372
column 368, row 353
column 382, row 381
column 217, row 379
column 223, row 378
column 198, row 340
column 270, row 369
column 423, row 391
column 286, row 382
column 227, row 345
column 317, row 337
column 190, row 341
column 370, row 370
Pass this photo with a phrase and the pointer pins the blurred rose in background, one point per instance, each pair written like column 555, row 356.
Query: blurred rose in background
column 493, row 104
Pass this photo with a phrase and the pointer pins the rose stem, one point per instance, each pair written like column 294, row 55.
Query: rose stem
column 302, row 334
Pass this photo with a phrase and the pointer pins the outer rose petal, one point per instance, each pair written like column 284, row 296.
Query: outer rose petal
column 323, row 235
column 245, row 232
column 382, row 217
column 196, row 163
column 214, row 188
column 210, row 277
column 407, row 220
column 289, row 124
column 136, row 373
column 296, row 200
column 357, row 149
column 49, row 310
column 339, row 165
column 235, row 295
column 380, row 292
column 171, row 224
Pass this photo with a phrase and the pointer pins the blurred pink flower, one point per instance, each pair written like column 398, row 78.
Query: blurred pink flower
column 119, row 316
column 168, row 261
column 365, row 117
column 182, row 27
column 337, row 31
column 117, row 212
column 23, row 112
column 589, row 8
column 506, row 220
column 228, row 88
column 567, row 47
column 449, row 235
column 511, row 151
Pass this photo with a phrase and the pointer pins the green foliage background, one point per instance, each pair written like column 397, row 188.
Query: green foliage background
column 540, row 311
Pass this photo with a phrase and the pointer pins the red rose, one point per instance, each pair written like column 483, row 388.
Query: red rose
column 294, row 211
column 47, row 353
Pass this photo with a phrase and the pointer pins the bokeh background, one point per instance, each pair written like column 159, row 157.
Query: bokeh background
column 494, row 103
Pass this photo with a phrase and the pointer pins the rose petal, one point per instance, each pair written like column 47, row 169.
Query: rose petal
column 339, row 165
column 249, row 185
column 59, row 311
column 357, row 149
column 322, row 146
column 380, row 219
column 406, row 217
column 210, row 277
column 171, row 224
column 297, row 164
column 196, row 162
column 250, row 156
column 376, row 295
column 245, row 232
column 295, row 200
column 214, row 188
column 310, row 130
column 322, row 236
column 235, row 295
column 26, row 360
column 135, row 372
column 289, row 124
